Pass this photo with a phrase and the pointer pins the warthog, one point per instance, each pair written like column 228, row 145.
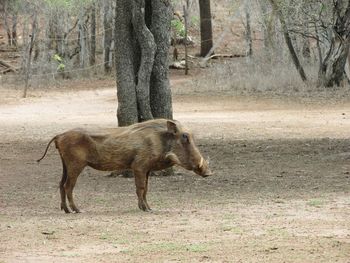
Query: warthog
column 143, row 147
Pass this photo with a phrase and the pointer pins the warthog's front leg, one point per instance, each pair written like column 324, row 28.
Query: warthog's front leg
column 141, row 189
column 145, row 192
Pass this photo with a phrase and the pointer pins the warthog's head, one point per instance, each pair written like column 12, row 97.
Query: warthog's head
column 184, row 152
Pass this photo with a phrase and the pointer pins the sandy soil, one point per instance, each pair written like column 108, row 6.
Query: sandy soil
column 281, row 190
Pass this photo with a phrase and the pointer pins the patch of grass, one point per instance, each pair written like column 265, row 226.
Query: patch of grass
column 197, row 248
column 281, row 232
column 229, row 217
column 105, row 236
column 315, row 202
column 70, row 254
column 100, row 200
column 233, row 229
column 121, row 241
column 171, row 247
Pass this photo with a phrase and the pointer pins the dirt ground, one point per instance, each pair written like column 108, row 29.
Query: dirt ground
column 280, row 193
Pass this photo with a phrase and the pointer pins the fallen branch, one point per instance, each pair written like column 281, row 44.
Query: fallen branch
column 5, row 71
column 8, row 66
column 203, row 64
column 8, row 49
column 178, row 65
column 226, row 56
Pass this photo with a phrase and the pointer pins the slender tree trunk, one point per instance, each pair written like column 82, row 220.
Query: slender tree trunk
column 83, row 43
column 8, row 30
column 107, row 36
column 205, row 27
column 288, row 40
column 14, row 30
column 93, row 35
column 248, row 32
column 29, row 54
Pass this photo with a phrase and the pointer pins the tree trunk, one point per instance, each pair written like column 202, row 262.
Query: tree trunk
column 8, row 31
column 148, row 47
column 29, row 51
column 83, row 43
column 332, row 68
column 205, row 27
column 125, row 54
column 161, row 100
column 142, row 38
column 93, row 35
column 248, row 32
column 108, row 35
column 142, row 60
column 288, row 40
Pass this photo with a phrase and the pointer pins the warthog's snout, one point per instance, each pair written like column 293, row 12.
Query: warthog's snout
column 203, row 168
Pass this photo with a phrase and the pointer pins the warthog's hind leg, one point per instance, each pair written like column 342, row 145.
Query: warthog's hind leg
column 73, row 174
column 62, row 190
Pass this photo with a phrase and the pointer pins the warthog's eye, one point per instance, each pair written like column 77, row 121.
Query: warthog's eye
column 185, row 137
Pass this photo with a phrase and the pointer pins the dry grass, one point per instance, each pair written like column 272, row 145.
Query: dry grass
column 263, row 78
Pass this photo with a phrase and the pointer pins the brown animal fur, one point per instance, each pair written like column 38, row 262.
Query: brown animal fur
column 143, row 147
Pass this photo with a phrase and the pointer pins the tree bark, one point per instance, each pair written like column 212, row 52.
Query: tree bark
column 205, row 27
column 127, row 111
column 332, row 68
column 148, row 47
column 29, row 54
column 83, row 43
column 93, row 35
column 248, row 32
column 161, row 99
column 14, row 30
column 288, row 40
column 142, row 60
column 108, row 36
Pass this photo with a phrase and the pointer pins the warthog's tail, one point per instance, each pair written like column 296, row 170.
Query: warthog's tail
column 47, row 147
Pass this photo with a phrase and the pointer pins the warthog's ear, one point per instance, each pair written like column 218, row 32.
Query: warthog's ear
column 171, row 127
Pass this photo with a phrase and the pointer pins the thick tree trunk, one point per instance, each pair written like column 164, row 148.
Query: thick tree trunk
column 332, row 68
column 127, row 112
column 140, row 50
column 288, row 40
column 148, row 47
column 205, row 27
column 142, row 44
column 161, row 101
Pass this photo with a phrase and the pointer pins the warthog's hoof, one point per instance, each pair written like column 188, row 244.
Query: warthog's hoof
column 65, row 208
column 75, row 209
column 144, row 207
